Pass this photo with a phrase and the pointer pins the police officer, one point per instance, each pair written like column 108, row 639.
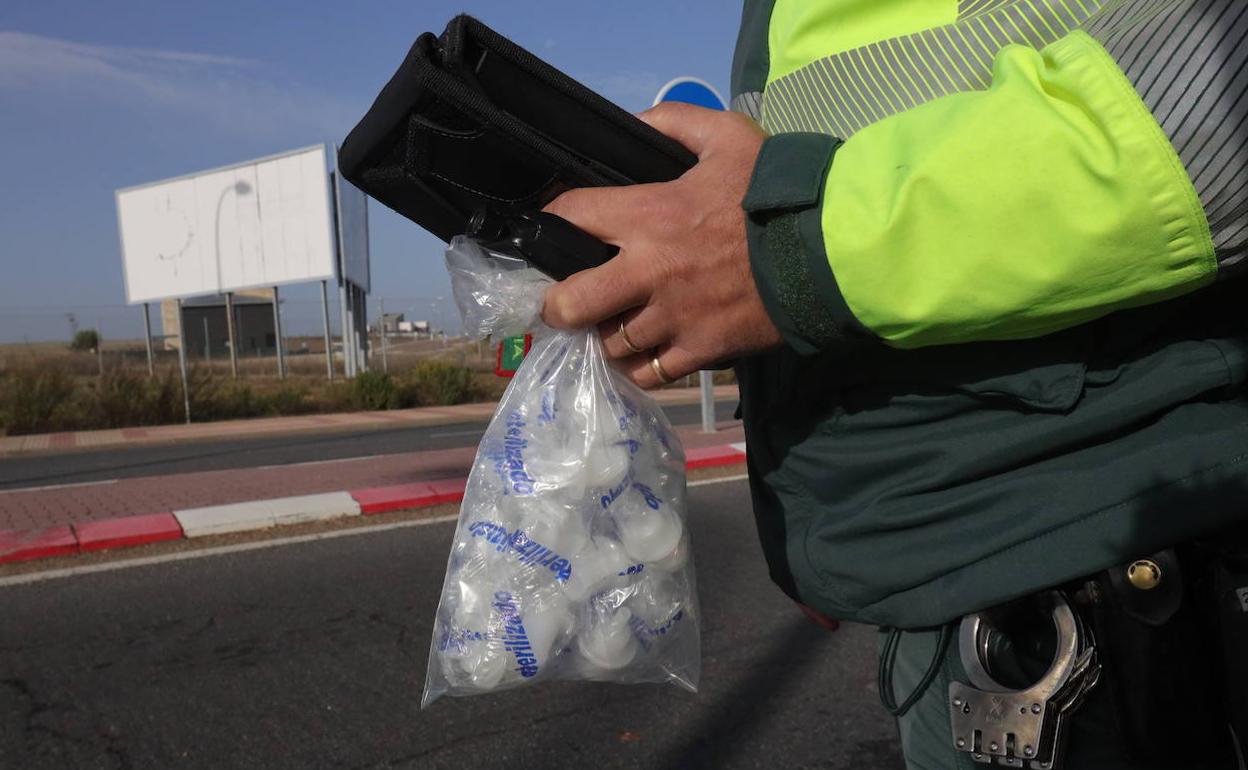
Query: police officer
column 975, row 262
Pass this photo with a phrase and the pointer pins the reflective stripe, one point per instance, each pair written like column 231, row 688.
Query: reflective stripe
column 843, row 93
column 749, row 103
column 969, row 8
column 1188, row 60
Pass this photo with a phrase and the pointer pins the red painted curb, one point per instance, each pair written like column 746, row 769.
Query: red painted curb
column 127, row 531
column 382, row 499
column 712, row 456
column 440, row 491
column 419, row 495
column 448, row 490
column 24, row 545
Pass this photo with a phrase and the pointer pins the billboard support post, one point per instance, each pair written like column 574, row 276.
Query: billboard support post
column 99, row 345
column 147, row 336
column 385, row 356
column 329, row 346
column 277, row 335
column 363, row 327
column 186, row 392
column 357, row 347
column 707, row 382
column 229, row 329
column 348, row 327
column 348, row 357
column 354, row 297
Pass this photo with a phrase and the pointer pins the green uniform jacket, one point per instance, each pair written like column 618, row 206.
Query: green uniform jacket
column 1000, row 238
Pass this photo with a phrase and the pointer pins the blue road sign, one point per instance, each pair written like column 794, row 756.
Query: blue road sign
column 691, row 91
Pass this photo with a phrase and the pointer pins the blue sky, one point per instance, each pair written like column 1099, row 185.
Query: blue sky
column 100, row 95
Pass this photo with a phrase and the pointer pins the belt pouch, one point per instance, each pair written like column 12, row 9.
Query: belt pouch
column 1154, row 644
column 1230, row 579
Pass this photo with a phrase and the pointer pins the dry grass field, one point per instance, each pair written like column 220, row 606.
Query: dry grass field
column 47, row 387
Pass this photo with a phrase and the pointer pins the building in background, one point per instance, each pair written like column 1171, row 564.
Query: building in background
column 415, row 328
column 392, row 323
column 207, row 335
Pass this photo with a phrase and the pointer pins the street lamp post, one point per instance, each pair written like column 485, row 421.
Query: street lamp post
column 238, row 187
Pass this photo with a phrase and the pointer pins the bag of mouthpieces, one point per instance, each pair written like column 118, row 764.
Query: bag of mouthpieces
column 571, row 557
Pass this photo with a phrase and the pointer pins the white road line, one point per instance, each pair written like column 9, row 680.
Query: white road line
column 58, row 486
column 35, row 577
column 316, row 462
column 449, row 434
column 257, row 468
column 720, row 480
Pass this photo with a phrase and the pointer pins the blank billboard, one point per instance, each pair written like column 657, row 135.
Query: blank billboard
column 261, row 223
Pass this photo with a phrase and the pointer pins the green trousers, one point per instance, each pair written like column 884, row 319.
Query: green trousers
column 1093, row 741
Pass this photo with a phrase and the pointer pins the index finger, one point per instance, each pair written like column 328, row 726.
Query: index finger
column 591, row 296
column 607, row 213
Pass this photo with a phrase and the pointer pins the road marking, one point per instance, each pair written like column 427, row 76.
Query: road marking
column 257, row 468
column 316, row 462
column 36, row 577
column 58, row 486
column 720, row 480
column 449, row 434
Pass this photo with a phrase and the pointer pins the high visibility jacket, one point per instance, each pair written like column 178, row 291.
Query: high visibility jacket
column 1001, row 239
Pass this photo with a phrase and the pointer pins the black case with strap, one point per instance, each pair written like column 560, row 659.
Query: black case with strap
column 472, row 121
column 1176, row 655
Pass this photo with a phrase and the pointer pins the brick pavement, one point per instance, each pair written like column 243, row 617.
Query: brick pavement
column 52, row 506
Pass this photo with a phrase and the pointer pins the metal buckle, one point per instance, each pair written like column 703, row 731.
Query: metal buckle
column 1021, row 728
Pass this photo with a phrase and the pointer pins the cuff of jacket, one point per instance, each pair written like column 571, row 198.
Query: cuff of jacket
column 783, row 208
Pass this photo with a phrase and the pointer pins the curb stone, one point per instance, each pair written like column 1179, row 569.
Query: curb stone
column 130, row 531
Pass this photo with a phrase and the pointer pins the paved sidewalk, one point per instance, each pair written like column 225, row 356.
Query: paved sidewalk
column 272, row 426
column 53, row 506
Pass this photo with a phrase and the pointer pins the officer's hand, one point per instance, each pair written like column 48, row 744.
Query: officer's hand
column 681, row 282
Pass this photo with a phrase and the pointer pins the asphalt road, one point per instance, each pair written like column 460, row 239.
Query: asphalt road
column 163, row 459
column 312, row 655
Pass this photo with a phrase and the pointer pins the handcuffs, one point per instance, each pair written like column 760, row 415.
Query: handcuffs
column 1021, row 728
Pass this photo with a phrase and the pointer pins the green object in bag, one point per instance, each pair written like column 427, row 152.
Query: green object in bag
column 511, row 352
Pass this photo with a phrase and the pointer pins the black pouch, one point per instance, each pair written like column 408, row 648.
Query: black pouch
column 1230, row 591
column 1158, row 646
column 472, row 121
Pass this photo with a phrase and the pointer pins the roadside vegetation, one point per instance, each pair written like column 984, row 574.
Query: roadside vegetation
column 51, row 387
column 50, row 393
column 85, row 340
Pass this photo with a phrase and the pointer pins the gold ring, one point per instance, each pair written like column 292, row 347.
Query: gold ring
column 659, row 372
column 627, row 342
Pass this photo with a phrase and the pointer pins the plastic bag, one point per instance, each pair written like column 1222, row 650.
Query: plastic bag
column 571, row 557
